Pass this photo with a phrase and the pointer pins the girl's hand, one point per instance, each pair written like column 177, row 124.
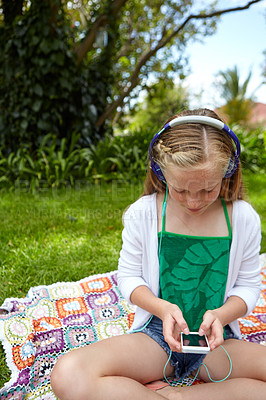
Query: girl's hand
column 213, row 328
column 173, row 325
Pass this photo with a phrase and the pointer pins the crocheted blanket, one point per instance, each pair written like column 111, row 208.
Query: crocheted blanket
column 51, row 320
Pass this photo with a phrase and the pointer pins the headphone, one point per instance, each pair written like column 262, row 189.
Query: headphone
column 198, row 119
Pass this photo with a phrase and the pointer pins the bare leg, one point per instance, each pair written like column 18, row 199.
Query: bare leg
column 114, row 368
column 246, row 382
column 233, row 389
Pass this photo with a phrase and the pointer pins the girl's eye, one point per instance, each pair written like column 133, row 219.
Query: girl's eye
column 211, row 190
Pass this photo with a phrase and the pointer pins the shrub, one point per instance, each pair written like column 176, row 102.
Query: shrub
column 122, row 157
column 253, row 146
column 50, row 165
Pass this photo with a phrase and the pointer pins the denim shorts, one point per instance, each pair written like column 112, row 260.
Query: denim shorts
column 184, row 363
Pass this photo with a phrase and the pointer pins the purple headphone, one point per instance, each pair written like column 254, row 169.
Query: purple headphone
column 198, row 119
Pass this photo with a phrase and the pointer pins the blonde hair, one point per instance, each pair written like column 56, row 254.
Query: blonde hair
column 188, row 146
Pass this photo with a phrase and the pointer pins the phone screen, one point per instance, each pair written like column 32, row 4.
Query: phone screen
column 194, row 340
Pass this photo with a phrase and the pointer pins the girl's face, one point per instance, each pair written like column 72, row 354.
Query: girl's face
column 194, row 189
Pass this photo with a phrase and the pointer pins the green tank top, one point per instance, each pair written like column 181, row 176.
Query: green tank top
column 193, row 270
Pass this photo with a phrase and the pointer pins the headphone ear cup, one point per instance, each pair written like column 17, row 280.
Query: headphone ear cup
column 157, row 170
column 232, row 166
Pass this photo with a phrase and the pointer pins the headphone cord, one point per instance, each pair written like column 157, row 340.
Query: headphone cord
column 205, row 366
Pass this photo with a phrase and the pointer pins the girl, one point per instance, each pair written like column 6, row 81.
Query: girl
column 189, row 262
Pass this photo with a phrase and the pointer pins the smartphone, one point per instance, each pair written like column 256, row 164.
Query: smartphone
column 194, row 343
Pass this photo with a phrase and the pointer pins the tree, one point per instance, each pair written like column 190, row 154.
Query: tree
column 163, row 100
column 42, row 89
column 170, row 29
column 238, row 105
column 53, row 78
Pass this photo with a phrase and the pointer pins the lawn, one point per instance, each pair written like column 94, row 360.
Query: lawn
column 66, row 235
column 256, row 190
column 60, row 235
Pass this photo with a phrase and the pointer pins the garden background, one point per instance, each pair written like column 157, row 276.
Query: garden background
column 81, row 89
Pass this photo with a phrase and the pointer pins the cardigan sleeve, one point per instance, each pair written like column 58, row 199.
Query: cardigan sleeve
column 130, row 274
column 247, row 285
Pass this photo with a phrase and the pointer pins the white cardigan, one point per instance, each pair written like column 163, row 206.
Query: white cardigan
column 139, row 265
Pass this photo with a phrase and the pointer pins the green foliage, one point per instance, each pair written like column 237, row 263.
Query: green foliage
column 163, row 100
column 144, row 25
column 253, row 148
column 122, row 157
column 53, row 165
column 238, row 111
column 230, row 85
column 50, row 165
column 42, row 90
column 256, row 189
column 238, row 105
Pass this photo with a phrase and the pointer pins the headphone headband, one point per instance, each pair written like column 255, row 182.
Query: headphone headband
column 198, row 119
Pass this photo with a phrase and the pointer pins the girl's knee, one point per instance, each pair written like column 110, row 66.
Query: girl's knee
column 61, row 377
column 68, row 380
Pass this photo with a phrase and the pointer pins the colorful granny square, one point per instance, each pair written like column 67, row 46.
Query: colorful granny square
column 63, row 291
column 46, row 324
column 98, row 285
column 67, row 307
column 78, row 319
column 17, row 329
column 80, row 336
column 24, row 354
column 43, row 308
column 96, row 300
column 107, row 313
column 49, row 342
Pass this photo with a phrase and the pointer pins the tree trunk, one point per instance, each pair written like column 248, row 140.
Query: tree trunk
column 102, row 20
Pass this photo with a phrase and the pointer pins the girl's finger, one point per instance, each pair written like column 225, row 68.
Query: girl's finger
column 181, row 322
column 172, row 335
column 216, row 338
column 208, row 320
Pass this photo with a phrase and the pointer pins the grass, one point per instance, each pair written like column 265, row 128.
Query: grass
column 60, row 235
column 256, row 189
column 69, row 234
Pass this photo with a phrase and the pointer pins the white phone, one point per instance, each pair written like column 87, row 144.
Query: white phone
column 194, row 343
